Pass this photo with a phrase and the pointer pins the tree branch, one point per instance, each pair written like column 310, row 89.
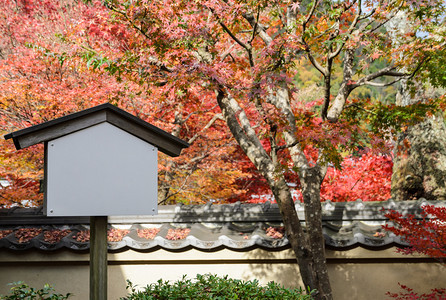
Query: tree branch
column 310, row 56
column 259, row 28
column 311, row 13
column 209, row 124
column 245, row 135
column 283, row 147
column 361, row 108
column 247, row 47
column 350, row 30
column 392, row 15
column 280, row 99
column 389, row 70
column 382, row 84
column 254, row 30
column 316, row 64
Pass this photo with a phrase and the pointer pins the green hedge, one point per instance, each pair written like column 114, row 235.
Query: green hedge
column 213, row 287
column 21, row 290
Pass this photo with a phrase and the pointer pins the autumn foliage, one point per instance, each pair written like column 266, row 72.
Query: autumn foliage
column 365, row 177
column 425, row 235
column 44, row 76
column 37, row 85
column 212, row 72
column 78, row 55
column 410, row 294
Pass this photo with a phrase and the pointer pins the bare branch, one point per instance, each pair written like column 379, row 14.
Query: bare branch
column 390, row 71
column 387, row 71
column 315, row 63
column 259, row 28
column 401, row 76
column 247, row 47
column 349, row 31
column 310, row 56
column 227, row 53
column 254, row 30
column 311, row 13
column 382, row 84
column 283, row 147
column 361, row 108
column 209, row 124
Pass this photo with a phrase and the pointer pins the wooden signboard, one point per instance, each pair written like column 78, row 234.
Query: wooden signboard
column 99, row 162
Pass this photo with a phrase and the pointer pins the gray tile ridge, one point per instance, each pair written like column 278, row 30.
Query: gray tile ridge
column 235, row 212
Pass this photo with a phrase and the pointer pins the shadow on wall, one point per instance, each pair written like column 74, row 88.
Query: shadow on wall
column 65, row 271
column 273, row 265
column 372, row 279
column 74, row 280
column 352, row 278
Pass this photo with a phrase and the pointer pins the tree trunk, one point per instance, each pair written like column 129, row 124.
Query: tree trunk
column 308, row 246
column 419, row 168
column 164, row 186
column 298, row 239
column 311, row 180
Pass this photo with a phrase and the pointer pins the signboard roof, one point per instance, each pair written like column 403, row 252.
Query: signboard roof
column 107, row 112
column 100, row 161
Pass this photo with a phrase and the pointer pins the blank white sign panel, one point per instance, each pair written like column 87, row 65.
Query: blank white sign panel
column 101, row 171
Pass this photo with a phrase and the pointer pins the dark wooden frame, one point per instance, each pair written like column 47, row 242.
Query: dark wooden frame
column 164, row 141
column 48, row 131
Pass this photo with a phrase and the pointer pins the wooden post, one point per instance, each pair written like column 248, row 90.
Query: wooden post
column 81, row 149
column 98, row 258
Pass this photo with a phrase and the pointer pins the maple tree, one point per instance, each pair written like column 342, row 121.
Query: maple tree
column 190, row 66
column 425, row 234
column 41, row 82
column 410, row 294
column 36, row 86
column 365, row 177
column 242, row 55
column 41, row 79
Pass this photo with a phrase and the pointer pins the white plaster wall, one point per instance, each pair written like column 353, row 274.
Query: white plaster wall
column 355, row 274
